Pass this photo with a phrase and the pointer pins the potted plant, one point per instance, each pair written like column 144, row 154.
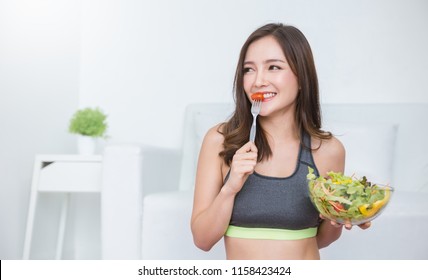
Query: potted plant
column 89, row 124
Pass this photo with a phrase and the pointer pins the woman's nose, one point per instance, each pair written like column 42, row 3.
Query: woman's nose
column 260, row 79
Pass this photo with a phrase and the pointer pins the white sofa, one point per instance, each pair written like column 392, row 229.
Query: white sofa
column 148, row 192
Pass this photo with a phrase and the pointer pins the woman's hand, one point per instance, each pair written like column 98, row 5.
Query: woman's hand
column 243, row 164
column 348, row 225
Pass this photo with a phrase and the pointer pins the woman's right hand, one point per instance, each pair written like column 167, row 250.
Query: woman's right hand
column 243, row 164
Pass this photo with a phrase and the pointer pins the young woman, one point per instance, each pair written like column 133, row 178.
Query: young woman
column 255, row 194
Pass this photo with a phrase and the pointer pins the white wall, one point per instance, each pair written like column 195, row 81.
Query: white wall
column 142, row 62
column 39, row 66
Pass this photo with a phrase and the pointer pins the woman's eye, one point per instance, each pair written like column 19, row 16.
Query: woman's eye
column 274, row 67
column 247, row 69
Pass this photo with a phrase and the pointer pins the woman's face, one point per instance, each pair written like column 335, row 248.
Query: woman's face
column 266, row 70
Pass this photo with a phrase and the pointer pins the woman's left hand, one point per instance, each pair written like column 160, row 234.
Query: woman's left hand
column 348, row 226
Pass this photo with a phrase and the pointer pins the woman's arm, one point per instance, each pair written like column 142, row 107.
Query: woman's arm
column 332, row 157
column 329, row 157
column 213, row 202
column 328, row 233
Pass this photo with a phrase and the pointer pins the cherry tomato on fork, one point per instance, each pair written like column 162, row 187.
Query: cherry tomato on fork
column 257, row 96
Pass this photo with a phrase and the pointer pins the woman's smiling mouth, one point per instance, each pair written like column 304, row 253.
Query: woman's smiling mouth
column 267, row 95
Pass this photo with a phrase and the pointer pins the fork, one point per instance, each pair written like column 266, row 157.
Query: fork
column 255, row 110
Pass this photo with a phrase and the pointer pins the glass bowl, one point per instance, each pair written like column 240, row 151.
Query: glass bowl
column 350, row 201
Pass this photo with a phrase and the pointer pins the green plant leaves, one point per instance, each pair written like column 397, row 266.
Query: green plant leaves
column 89, row 122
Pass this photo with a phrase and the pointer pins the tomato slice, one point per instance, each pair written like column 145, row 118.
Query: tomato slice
column 337, row 206
column 257, row 96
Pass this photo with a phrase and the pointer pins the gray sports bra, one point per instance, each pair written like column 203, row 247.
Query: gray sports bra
column 266, row 202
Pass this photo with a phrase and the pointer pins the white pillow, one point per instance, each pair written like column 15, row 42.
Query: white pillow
column 369, row 148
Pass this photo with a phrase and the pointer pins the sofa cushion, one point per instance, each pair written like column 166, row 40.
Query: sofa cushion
column 166, row 232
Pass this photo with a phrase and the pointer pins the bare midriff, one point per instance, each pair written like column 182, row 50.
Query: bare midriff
column 264, row 249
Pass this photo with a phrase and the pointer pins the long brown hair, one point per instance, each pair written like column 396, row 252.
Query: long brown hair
column 308, row 113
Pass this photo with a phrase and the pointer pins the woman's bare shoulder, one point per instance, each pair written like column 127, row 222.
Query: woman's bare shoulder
column 210, row 163
column 214, row 136
column 330, row 155
column 332, row 146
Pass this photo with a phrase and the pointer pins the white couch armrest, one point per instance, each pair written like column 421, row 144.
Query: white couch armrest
column 129, row 173
column 166, row 229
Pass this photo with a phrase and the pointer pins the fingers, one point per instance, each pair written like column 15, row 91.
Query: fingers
column 365, row 225
column 362, row 226
column 335, row 224
column 245, row 160
column 243, row 164
column 248, row 147
column 347, row 225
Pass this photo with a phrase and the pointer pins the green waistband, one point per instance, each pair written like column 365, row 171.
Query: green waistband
column 270, row 233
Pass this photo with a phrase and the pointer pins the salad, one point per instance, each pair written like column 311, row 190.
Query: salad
column 343, row 198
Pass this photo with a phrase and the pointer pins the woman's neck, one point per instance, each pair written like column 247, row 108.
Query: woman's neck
column 280, row 128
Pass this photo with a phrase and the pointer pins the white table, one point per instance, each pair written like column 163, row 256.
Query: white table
column 61, row 174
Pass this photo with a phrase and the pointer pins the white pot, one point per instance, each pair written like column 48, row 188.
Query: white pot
column 86, row 145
